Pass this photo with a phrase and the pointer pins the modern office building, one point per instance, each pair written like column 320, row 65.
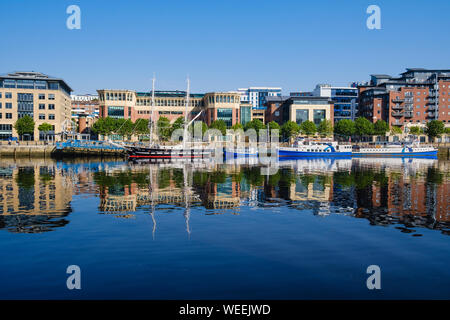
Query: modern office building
column 416, row 97
column 44, row 98
column 345, row 99
column 128, row 104
column 257, row 96
column 299, row 109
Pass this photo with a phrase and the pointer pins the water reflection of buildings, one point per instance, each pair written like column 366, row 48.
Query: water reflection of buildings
column 166, row 188
column 34, row 196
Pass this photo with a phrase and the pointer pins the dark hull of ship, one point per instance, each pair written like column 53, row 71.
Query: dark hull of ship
column 163, row 153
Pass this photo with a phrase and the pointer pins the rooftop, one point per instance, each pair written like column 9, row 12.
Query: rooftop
column 32, row 75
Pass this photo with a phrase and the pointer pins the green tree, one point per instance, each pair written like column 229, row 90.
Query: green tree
column 219, row 125
column 447, row 130
column 396, row 130
column 104, row 126
column 141, row 126
column 125, row 127
column 308, row 128
column 24, row 125
column 290, row 129
column 177, row 124
column 164, row 129
column 255, row 124
column 196, row 125
column 415, row 130
column 273, row 125
column 363, row 127
column 434, row 129
column 237, row 126
column 45, row 128
column 345, row 128
column 325, row 128
column 380, row 128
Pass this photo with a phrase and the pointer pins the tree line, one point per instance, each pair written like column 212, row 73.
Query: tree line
column 345, row 128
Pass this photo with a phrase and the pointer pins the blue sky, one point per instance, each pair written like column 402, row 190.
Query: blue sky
column 221, row 45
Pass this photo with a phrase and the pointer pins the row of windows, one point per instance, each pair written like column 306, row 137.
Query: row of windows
column 116, row 96
column 223, row 99
column 28, row 96
column 28, row 106
column 170, row 112
column 50, row 116
column 303, row 115
column 6, row 127
column 29, row 84
column 168, row 102
column 22, row 114
column 7, row 116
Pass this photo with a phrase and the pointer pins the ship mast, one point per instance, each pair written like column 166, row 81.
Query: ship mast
column 150, row 123
column 186, row 115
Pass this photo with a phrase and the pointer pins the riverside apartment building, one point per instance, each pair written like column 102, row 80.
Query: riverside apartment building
column 44, row 98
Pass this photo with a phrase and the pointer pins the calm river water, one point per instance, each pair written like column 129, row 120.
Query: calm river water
column 206, row 231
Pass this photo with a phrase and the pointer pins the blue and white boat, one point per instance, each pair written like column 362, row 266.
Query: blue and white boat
column 247, row 152
column 315, row 148
column 405, row 149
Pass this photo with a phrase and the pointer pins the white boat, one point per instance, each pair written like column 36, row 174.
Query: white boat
column 400, row 149
column 315, row 148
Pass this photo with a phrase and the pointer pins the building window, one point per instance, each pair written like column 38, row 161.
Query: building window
column 226, row 115
column 41, row 106
column 115, row 112
column 51, row 97
column 41, row 96
column 246, row 115
column 8, row 105
column 301, row 116
column 8, row 95
column 319, row 116
column 51, row 116
column 8, row 115
column 41, row 116
column 51, row 107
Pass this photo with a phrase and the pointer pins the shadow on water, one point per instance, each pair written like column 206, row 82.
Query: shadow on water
column 36, row 196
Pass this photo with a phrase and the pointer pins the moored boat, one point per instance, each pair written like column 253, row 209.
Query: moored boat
column 401, row 149
column 315, row 148
column 180, row 151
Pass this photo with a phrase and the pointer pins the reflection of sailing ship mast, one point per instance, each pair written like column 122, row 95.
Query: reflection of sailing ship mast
column 187, row 190
column 152, row 203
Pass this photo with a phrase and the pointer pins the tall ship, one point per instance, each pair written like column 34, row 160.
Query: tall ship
column 400, row 149
column 154, row 150
column 315, row 148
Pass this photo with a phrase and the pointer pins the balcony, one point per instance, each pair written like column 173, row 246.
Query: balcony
column 409, row 114
column 398, row 100
column 397, row 106
column 432, row 94
column 432, row 108
column 397, row 114
column 431, row 115
column 431, row 101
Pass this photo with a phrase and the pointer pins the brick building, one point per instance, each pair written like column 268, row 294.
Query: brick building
column 413, row 99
